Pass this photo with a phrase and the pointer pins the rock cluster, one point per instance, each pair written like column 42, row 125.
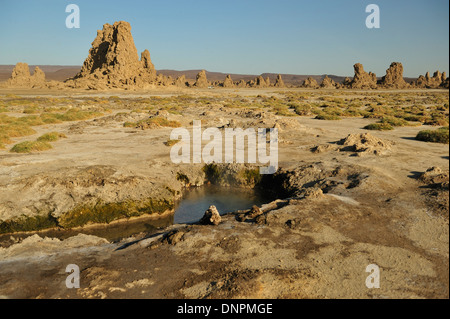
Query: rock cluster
column 362, row 79
column 435, row 177
column 437, row 80
column 328, row 83
column 113, row 61
column 310, row 83
column 21, row 77
column 364, row 143
column 180, row 81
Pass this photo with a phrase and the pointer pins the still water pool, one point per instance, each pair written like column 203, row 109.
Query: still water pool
column 226, row 199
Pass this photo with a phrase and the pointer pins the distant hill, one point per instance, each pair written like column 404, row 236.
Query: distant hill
column 63, row 72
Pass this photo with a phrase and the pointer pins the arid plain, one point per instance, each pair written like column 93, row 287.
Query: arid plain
column 86, row 178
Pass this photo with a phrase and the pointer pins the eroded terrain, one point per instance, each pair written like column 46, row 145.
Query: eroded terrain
column 352, row 188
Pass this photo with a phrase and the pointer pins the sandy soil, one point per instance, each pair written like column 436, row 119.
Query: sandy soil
column 375, row 212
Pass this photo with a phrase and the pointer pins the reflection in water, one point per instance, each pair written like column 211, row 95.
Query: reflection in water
column 227, row 199
column 189, row 210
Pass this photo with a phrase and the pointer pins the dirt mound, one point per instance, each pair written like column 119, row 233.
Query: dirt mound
column 364, row 143
column 436, row 182
column 362, row 79
column 394, row 77
column 314, row 180
column 360, row 144
column 435, row 177
column 113, row 61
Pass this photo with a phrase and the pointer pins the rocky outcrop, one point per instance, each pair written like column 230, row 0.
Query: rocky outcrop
column 437, row 80
column 228, row 83
column 310, row 83
column 362, row 79
column 394, row 77
column 181, row 81
column 21, row 77
column 446, row 83
column 163, row 80
column 211, row 217
column 113, row 61
column 260, row 82
column 279, row 83
column 201, row 80
column 241, row 84
column 328, row 83
column 347, row 82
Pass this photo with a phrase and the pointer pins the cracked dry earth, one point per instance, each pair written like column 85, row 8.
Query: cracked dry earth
column 344, row 213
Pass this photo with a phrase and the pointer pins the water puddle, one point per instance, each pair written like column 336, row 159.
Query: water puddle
column 188, row 210
column 226, row 199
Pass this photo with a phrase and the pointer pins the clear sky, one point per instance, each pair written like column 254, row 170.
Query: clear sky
column 238, row 36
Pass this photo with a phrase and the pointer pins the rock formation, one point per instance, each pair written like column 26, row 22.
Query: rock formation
column 394, row 77
column 181, row 81
column 362, row 79
column 163, row 80
column 437, row 80
column 21, row 77
column 310, row 83
column 328, row 83
column 241, row 84
column 201, row 80
column 211, row 217
column 228, row 83
column 446, row 82
column 260, row 82
column 347, row 82
column 113, row 61
column 279, row 83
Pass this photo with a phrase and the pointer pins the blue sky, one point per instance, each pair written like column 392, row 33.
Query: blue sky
column 238, row 36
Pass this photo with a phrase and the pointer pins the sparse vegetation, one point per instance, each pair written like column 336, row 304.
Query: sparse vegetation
column 171, row 142
column 440, row 135
column 30, row 146
column 51, row 137
column 379, row 127
column 327, row 117
column 183, row 178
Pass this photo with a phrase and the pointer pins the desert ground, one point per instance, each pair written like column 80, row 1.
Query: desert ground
column 354, row 187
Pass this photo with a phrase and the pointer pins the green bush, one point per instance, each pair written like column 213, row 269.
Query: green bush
column 440, row 135
column 29, row 146
column 379, row 127
column 51, row 137
column 327, row 117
